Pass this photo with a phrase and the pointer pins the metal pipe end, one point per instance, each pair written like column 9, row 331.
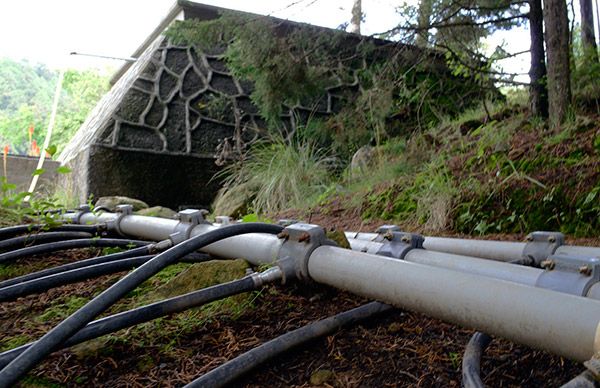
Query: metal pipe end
column 271, row 275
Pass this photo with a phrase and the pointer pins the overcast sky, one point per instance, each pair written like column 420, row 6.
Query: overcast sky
column 47, row 31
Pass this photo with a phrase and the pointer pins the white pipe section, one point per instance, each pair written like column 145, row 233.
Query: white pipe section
column 256, row 248
column 560, row 323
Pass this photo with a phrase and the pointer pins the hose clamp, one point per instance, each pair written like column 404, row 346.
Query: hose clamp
column 541, row 245
column 188, row 219
column 300, row 241
column 570, row 274
column 397, row 244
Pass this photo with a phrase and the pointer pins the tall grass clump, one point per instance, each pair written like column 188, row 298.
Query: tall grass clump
column 275, row 175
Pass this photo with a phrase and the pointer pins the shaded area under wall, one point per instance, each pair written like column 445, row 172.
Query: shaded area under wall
column 156, row 178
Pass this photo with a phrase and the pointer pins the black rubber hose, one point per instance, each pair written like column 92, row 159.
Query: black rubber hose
column 233, row 369
column 71, row 244
column 135, row 252
column 45, row 283
column 12, row 231
column 59, row 334
column 147, row 313
column 471, row 363
column 40, row 238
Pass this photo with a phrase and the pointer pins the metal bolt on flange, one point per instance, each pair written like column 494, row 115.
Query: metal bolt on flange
column 304, row 237
column 552, row 239
column 547, row 264
column 585, row 270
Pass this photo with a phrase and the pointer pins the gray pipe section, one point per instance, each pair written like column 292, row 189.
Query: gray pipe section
column 493, row 269
column 560, row 323
column 472, row 265
column 486, row 249
column 578, row 251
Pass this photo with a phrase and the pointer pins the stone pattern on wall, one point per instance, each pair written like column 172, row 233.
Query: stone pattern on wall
column 188, row 102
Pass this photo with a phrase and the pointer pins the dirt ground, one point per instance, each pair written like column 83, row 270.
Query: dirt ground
column 396, row 349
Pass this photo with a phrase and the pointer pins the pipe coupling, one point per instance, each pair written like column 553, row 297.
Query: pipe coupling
column 188, row 220
column 269, row 276
column 120, row 211
column 300, row 241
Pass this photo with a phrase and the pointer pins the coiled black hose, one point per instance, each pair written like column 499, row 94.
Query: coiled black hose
column 71, row 244
column 233, row 369
column 11, row 231
column 471, row 363
column 147, row 313
column 58, row 335
column 45, row 283
column 135, row 252
column 40, row 238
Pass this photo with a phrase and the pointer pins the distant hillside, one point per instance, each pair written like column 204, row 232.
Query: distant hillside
column 26, row 92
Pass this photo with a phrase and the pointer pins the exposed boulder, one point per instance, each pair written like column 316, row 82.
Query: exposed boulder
column 158, row 211
column 111, row 202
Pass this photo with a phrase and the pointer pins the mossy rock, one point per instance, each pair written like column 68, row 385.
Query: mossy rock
column 157, row 211
column 202, row 275
column 339, row 237
column 111, row 202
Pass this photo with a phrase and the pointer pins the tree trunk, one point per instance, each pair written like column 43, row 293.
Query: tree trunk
column 356, row 17
column 538, row 94
column 557, row 45
column 588, row 38
column 425, row 9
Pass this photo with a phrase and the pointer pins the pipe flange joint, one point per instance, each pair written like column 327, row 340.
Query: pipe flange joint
column 385, row 233
column 571, row 274
column 188, row 220
column 300, row 241
column 81, row 210
column 397, row 244
column 541, row 245
column 120, row 212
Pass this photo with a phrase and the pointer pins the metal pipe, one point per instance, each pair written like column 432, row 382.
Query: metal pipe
column 493, row 269
column 520, row 313
column 255, row 248
column 486, row 249
column 473, row 265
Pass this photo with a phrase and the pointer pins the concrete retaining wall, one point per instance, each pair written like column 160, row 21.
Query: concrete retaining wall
column 19, row 170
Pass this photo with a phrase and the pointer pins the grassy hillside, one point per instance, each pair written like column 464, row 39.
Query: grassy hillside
column 490, row 170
